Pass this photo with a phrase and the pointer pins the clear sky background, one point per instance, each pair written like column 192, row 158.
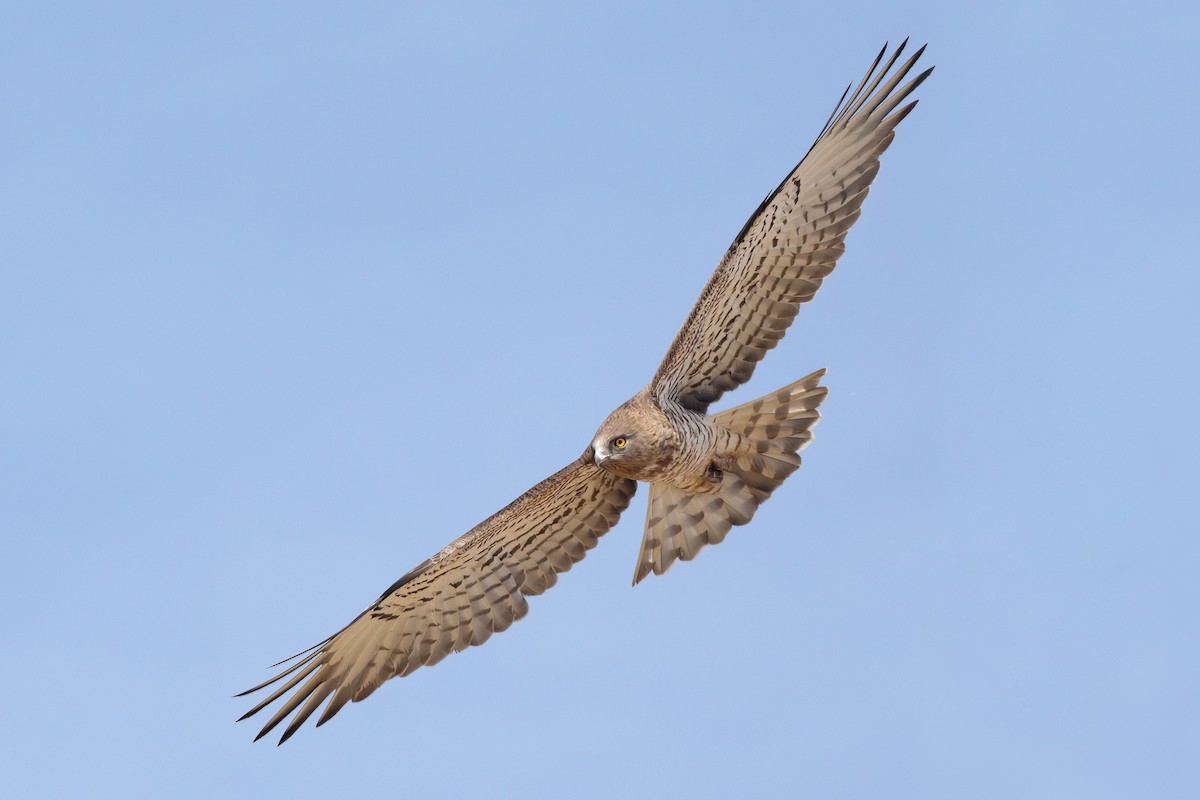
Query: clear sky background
column 294, row 295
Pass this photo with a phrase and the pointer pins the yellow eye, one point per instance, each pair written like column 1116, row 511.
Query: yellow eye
column 619, row 442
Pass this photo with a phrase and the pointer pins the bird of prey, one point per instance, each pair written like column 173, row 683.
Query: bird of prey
column 707, row 472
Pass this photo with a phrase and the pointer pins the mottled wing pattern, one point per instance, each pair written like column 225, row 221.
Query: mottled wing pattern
column 473, row 588
column 788, row 246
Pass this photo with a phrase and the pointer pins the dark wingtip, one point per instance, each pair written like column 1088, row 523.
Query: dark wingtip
column 305, row 651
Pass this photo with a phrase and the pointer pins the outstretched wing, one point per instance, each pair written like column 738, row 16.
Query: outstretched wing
column 788, row 245
column 473, row 588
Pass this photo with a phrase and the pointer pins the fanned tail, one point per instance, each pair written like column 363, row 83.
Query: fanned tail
column 679, row 524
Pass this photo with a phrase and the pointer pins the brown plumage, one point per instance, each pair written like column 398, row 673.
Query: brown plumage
column 707, row 473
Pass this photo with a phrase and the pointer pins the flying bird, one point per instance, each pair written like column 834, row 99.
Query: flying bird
column 707, row 472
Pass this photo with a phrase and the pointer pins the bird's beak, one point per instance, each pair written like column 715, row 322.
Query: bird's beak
column 599, row 456
column 590, row 456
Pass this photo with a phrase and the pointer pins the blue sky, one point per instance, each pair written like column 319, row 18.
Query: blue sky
column 294, row 295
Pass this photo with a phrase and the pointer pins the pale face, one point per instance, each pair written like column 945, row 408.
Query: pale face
column 634, row 442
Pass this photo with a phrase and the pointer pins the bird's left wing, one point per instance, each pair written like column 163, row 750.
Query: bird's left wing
column 473, row 588
column 788, row 246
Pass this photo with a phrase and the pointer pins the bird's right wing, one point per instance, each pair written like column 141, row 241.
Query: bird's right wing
column 788, row 246
column 474, row 587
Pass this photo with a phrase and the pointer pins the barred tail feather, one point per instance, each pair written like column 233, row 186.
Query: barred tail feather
column 680, row 524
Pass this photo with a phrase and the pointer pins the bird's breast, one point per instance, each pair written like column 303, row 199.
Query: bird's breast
column 696, row 438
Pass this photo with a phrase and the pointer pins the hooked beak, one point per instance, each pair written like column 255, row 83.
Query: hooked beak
column 599, row 455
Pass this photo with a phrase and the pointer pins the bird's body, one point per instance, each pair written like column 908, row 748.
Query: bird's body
column 667, row 445
column 707, row 472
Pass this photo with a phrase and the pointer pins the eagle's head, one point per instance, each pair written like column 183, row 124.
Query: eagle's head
column 636, row 441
